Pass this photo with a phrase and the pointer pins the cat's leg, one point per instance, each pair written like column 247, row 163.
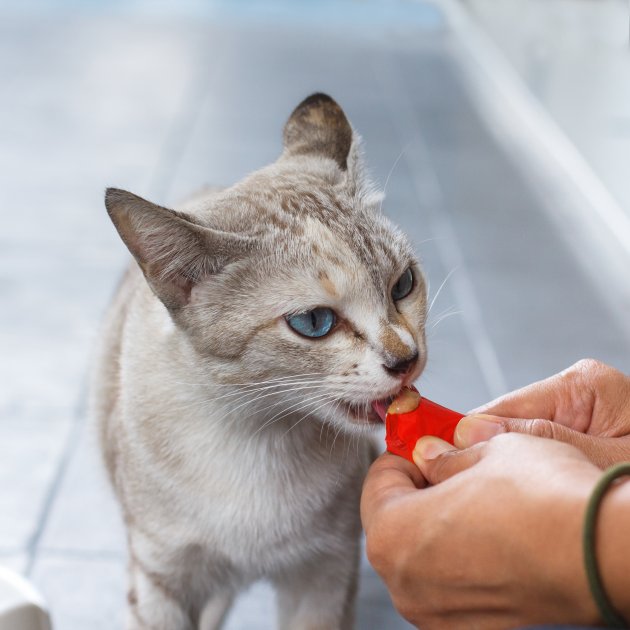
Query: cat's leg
column 153, row 606
column 320, row 596
column 159, row 595
column 153, row 603
column 215, row 611
column 177, row 588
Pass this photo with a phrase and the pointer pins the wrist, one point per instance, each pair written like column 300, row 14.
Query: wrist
column 612, row 545
column 575, row 601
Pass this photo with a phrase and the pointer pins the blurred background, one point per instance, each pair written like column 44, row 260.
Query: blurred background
column 502, row 132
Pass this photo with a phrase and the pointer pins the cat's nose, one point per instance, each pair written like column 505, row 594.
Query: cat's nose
column 401, row 367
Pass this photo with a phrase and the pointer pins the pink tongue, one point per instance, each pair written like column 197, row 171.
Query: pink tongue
column 380, row 406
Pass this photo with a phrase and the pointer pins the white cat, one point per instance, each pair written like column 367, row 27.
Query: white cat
column 257, row 327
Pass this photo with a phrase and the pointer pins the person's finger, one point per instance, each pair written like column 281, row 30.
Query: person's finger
column 438, row 460
column 538, row 400
column 389, row 478
column 567, row 398
column 481, row 427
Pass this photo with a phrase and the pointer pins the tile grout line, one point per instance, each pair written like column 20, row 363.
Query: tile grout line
column 83, row 554
column 181, row 131
column 32, row 548
column 428, row 191
column 174, row 144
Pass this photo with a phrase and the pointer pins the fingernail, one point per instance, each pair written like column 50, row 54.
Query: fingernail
column 477, row 428
column 429, row 448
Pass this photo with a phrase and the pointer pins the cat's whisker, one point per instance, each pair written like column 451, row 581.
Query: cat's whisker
column 332, row 446
column 270, row 380
column 261, row 387
column 331, row 412
column 335, row 439
column 246, row 391
column 391, row 171
column 443, row 317
column 261, row 396
column 328, row 427
column 446, row 310
column 435, row 297
column 362, row 432
column 242, row 390
column 310, row 413
column 321, row 430
column 428, row 240
column 275, row 404
column 293, row 408
column 247, row 397
column 349, row 445
column 265, row 382
column 336, row 407
column 283, row 394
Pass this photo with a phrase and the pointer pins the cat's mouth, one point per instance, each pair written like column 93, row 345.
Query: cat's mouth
column 381, row 406
column 371, row 413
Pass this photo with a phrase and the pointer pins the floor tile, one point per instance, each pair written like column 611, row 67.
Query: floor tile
column 85, row 516
column 30, row 454
column 82, row 593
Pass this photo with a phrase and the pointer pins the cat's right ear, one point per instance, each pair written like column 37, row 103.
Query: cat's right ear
column 318, row 126
column 172, row 250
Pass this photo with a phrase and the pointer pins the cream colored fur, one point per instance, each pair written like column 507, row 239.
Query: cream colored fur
column 236, row 447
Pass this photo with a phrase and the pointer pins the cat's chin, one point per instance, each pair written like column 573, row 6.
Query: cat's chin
column 362, row 415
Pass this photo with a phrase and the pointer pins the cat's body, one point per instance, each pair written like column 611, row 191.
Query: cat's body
column 219, row 423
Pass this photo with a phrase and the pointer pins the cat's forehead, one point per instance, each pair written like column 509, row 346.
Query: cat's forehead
column 311, row 222
column 356, row 263
column 314, row 209
column 292, row 195
column 367, row 246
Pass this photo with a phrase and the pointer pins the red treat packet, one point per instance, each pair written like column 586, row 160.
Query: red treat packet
column 428, row 418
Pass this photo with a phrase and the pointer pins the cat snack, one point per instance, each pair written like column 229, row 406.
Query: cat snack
column 411, row 416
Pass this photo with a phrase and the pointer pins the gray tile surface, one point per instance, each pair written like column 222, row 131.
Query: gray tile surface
column 581, row 78
column 84, row 516
column 164, row 98
column 30, row 450
column 83, row 591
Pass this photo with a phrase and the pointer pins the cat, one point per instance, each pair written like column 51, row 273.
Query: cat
column 256, row 325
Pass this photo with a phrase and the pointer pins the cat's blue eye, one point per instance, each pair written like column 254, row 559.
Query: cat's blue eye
column 403, row 286
column 316, row 323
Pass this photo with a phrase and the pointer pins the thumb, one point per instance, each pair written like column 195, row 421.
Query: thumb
column 438, row 460
column 602, row 451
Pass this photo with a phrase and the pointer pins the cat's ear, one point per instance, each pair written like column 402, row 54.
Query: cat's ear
column 318, row 126
column 172, row 250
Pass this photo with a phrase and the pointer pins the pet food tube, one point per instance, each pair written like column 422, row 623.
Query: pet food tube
column 411, row 416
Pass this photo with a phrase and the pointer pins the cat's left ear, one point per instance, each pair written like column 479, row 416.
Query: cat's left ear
column 173, row 251
column 318, row 126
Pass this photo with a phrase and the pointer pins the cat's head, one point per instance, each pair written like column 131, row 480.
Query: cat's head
column 290, row 283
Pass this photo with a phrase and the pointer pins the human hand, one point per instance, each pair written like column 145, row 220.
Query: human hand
column 587, row 405
column 495, row 544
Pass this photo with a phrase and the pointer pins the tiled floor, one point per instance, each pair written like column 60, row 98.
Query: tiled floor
column 573, row 56
column 162, row 98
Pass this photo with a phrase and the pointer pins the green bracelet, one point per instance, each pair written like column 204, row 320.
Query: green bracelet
column 612, row 618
